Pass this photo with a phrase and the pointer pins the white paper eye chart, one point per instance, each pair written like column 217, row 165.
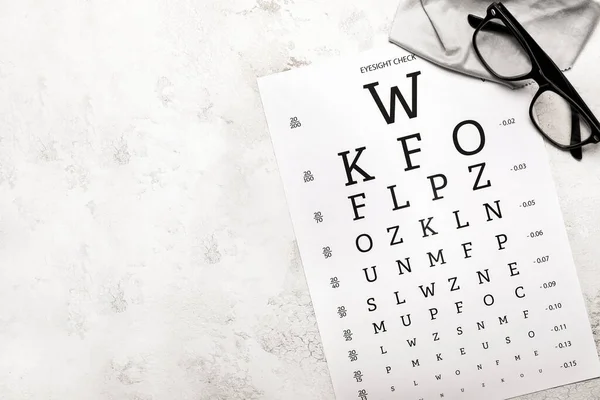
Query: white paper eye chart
column 429, row 230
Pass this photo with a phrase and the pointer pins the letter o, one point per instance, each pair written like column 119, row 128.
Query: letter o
column 370, row 243
column 522, row 376
column 486, row 301
column 481, row 138
column 457, row 372
column 531, row 334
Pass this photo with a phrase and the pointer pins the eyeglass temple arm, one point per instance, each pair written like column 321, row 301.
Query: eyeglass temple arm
column 492, row 26
column 571, row 92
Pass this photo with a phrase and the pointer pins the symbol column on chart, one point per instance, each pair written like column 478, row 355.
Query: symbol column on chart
column 295, row 123
column 348, row 335
column 318, row 217
column 358, row 375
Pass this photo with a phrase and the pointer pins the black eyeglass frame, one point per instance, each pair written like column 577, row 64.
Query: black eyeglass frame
column 543, row 71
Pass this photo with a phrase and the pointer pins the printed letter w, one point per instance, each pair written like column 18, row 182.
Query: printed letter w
column 395, row 93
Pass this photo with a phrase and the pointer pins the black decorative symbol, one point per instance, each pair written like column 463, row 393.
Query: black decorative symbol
column 348, row 335
column 294, row 123
column 334, row 282
column 327, row 252
column 358, row 375
column 362, row 394
column 352, row 355
column 308, row 176
column 341, row 311
column 318, row 217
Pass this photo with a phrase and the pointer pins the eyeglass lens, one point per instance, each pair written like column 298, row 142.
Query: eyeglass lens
column 554, row 116
column 501, row 51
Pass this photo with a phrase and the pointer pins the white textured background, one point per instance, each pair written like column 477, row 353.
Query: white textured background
column 146, row 252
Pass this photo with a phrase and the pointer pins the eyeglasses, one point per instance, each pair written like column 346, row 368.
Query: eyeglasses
column 509, row 53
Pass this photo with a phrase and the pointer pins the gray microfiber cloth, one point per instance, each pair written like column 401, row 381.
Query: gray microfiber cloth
column 437, row 30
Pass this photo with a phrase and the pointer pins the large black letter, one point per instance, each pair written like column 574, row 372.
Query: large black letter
column 395, row 93
column 435, row 187
column 489, row 208
column 458, row 224
column 359, row 247
column 483, row 276
column 398, row 302
column 374, row 278
column 476, row 185
column 408, row 152
column 501, row 242
column 406, row 266
column 355, row 206
column 371, row 303
column 349, row 167
column 426, row 227
column 481, row 138
column 394, row 241
column 396, row 206
column 433, row 259
column 406, row 322
column 380, row 327
column 429, row 290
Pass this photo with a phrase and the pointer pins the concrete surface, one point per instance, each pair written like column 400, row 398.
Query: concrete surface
column 146, row 251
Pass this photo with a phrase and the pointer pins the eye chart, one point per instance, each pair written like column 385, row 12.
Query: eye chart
column 429, row 230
